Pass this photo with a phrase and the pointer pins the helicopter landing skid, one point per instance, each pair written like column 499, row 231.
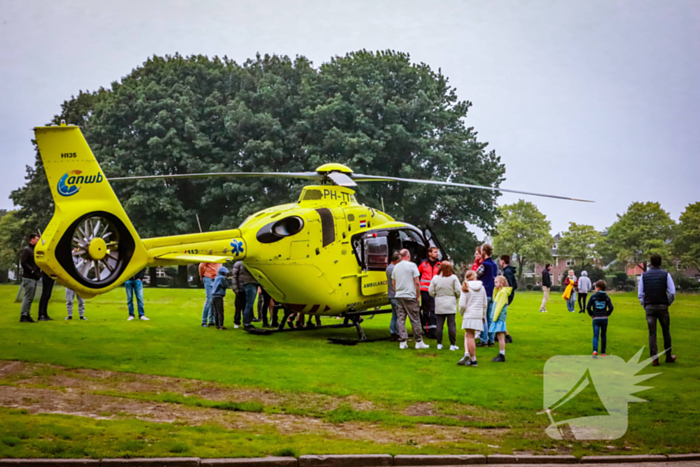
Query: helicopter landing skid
column 351, row 320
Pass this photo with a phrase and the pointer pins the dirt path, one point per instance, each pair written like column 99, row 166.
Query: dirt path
column 41, row 388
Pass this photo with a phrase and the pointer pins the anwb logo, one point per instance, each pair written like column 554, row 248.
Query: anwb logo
column 71, row 182
column 591, row 395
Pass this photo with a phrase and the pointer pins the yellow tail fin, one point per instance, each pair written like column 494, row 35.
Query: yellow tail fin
column 90, row 245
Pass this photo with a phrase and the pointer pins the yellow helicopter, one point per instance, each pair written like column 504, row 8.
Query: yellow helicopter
column 325, row 254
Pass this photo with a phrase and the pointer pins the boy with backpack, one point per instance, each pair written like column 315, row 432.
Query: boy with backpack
column 600, row 307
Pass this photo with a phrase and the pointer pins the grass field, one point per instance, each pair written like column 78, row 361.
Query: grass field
column 167, row 387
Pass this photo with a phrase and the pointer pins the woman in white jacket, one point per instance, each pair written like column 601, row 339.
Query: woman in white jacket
column 472, row 305
column 445, row 288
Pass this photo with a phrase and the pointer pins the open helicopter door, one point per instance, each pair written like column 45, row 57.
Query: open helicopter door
column 372, row 250
column 434, row 242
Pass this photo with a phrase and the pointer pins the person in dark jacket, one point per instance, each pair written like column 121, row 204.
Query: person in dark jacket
column 656, row 293
column 243, row 281
column 546, row 285
column 30, row 276
column 134, row 287
column 487, row 278
column 46, row 289
column 218, row 293
column 509, row 273
column 600, row 307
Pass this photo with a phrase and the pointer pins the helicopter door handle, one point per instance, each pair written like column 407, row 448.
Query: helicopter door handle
column 362, row 274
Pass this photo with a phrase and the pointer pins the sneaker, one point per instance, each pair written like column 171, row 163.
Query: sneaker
column 454, row 347
column 130, row 318
column 403, row 345
column 464, row 361
column 83, row 318
column 595, row 354
column 603, row 355
column 439, row 346
column 482, row 344
column 491, row 344
column 143, row 318
column 205, row 325
column 394, row 338
column 223, row 328
column 671, row 359
column 236, row 326
column 655, row 362
column 68, row 318
column 248, row 327
column 256, row 320
column 509, row 339
column 422, row 345
column 44, row 318
column 473, row 364
column 499, row 358
column 25, row 319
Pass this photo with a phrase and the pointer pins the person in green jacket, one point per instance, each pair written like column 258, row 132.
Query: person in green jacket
column 501, row 294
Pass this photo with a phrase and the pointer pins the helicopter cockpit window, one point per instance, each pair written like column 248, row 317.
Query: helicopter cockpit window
column 413, row 242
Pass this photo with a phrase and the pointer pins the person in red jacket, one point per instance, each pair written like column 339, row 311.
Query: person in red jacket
column 427, row 269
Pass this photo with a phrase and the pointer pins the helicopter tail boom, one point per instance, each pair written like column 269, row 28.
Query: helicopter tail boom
column 90, row 245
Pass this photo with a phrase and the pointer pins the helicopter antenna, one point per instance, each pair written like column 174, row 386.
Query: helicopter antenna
column 383, row 210
column 198, row 223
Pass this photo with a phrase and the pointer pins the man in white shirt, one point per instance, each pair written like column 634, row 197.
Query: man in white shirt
column 405, row 279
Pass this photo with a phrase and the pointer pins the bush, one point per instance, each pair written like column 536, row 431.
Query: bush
column 529, row 286
column 536, row 288
column 686, row 283
column 555, row 288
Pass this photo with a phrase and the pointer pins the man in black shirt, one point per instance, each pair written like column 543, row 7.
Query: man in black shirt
column 546, row 285
column 30, row 276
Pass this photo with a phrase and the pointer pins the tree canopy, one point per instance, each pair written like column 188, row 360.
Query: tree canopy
column 581, row 242
column 641, row 231
column 379, row 113
column 687, row 241
column 523, row 232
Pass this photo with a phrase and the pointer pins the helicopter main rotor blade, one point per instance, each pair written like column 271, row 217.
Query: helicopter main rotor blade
column 302, row 175
column 379, row 178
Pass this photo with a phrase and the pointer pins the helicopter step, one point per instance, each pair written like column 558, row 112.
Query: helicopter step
column 352, row 319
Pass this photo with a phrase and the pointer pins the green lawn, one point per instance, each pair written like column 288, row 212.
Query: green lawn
column 411, row 401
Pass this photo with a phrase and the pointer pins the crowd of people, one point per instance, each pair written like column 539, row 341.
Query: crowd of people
column 32, row 275
column 428, row 295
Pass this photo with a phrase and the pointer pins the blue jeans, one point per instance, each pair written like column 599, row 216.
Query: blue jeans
column 251, row 291
column 600, row 326
column 485, row 336
column 571, row 302
column 134, row 287
column 393, row 326
column 207, row 312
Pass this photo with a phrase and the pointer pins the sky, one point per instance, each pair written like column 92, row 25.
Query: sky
column 594, row 99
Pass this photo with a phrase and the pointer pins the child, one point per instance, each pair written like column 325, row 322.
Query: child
column 501, row 293
column 217, row 297
column 473, row 304
column 600, row 307
column 70, row 300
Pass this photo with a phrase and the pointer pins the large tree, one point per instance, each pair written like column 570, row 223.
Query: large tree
column 581, row 242
column 641, row 231
column 523, row 232
column 378, row 113
column 687, row 242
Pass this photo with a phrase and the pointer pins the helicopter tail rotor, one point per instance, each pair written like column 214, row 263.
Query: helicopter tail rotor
column 90, row 245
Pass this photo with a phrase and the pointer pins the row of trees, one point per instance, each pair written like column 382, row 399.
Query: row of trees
column 645, row 228
column 379, row 113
